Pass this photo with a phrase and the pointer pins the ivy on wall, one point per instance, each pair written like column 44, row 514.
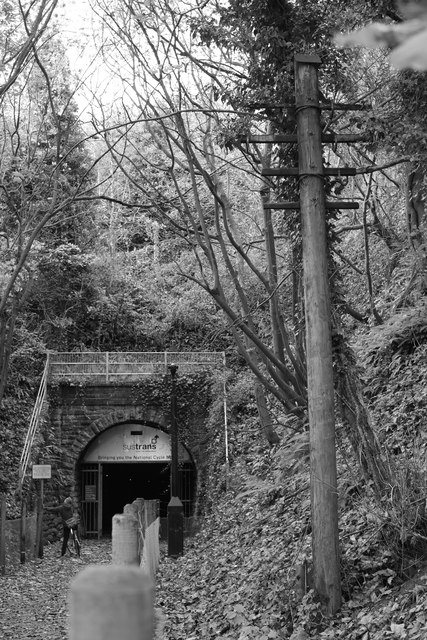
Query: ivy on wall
column 75, row 420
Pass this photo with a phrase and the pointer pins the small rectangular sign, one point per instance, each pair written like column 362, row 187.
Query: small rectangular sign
column 42, row 471
column 90, row 493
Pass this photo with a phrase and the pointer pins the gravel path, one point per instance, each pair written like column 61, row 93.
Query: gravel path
column 34, row 597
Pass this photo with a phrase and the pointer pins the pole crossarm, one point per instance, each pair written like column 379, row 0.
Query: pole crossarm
column 295, row 171
column 290, row 138
column 335, row 204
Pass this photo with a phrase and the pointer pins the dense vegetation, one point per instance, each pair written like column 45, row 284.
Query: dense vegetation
column 144, row 229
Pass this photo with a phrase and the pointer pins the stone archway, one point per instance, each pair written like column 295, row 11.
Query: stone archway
column 126, row 461
column 78, row 413
column 78, row 429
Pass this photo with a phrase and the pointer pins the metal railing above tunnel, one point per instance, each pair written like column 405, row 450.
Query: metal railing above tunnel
column 119, row 367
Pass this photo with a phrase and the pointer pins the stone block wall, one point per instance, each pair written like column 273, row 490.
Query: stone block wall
column 78, row 413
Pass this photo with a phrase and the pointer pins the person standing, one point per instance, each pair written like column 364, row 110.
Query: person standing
column 66, row 511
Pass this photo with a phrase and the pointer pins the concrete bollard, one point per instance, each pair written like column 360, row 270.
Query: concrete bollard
column 140, row 508
column 139, row 505
column 125, row 539
column 111, row 603
column 131, row 509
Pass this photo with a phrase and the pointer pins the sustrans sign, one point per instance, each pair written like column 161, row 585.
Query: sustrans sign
column 133, row 443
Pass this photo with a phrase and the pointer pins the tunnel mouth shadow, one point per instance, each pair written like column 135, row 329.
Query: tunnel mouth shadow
column 127, row 461
column 122, row 483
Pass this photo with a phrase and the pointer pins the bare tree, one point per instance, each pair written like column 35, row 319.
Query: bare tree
column 26, row 27
column 44, row 173
column 211, row 198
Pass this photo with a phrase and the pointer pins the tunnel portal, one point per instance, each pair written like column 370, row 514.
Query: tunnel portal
column 126, row 462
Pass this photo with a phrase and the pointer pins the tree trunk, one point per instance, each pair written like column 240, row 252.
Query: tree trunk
column 392, row 241
column 416, row 219
column 264, row 414
column 270, row 247
column 368, row 273
column 7, row 326
column 355, row 416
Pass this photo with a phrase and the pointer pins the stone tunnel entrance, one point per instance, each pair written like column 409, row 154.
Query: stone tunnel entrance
column 129, row 461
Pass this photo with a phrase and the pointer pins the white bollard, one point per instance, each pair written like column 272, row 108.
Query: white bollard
column 125, row 539
column 131, row 509
column 138, row 504
column 140, row 508
column 111, row 603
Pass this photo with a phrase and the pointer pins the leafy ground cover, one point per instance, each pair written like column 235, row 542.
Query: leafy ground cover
column 241, row 575
column 33, row 597
column 238, row 579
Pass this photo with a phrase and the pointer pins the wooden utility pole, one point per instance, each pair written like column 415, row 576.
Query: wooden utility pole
column 313, row 205
column 39, row 525
column 324, row 502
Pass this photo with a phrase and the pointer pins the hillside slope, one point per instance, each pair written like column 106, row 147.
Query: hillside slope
column 242, row 576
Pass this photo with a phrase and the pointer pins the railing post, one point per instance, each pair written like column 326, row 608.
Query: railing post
column 224, row 390
column 2, row 534
column 107, row 361
column 47, row 366
column 23, row 531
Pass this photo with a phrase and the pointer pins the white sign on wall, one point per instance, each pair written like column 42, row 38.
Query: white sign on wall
column 42, row 471
column 133, row 443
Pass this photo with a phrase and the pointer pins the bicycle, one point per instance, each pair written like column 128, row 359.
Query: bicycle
column 72, row 524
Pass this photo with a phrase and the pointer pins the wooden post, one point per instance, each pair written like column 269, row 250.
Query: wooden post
column 125, row 539
column 23, row 531
column 175, row 528
column 2, row 534
column 111, row 603
column 39, row 529
column 324, row 502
